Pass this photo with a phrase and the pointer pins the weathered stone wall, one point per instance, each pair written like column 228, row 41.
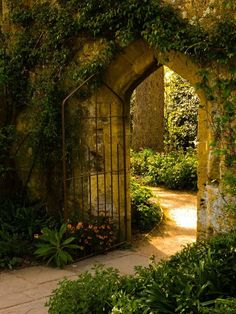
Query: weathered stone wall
column 148, row 113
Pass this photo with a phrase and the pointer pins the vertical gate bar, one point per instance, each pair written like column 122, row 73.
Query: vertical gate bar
column 90, row 185
column 73, row 182
column 105, row 184
column 111, row 160
column 96, row 157
column 118, row 188
column 64, row 170
column 125, row 167
column 82, row 195
column 80, row 191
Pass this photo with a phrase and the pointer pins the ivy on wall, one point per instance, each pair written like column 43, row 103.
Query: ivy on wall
column 40, row 54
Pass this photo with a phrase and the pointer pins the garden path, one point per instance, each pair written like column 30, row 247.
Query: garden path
column 179, row 227
column 26, row 290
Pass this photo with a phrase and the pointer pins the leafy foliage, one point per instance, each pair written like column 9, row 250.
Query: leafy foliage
column 88, row 294
column 17, row 227
column 180, row 114
column 195, row 277
column 13, row 249
column 95, row 236
column 54, row 246
column 145, row 215
column 226, row 306
column 192, row 281
column 175, row 170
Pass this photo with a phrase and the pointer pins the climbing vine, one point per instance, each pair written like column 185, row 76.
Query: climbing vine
column 41, row 54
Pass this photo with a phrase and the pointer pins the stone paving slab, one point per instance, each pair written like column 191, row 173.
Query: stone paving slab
column 41, row 274
column 33, row 307
column 26, row 290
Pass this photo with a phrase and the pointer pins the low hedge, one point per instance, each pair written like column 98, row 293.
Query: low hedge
column 200, row 279
column 175, row 170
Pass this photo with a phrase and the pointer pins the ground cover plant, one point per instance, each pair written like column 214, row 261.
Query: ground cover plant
column 175, row 170
column 96, row 235
column 54, row 247
column 226, row 306
column 200, row 279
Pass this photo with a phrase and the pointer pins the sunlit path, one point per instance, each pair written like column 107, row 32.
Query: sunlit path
column 180, row 207
column 178, row 228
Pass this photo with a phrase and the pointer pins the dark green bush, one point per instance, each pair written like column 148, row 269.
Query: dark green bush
column 13, row 249
column 18, row 224
column 175, row 170
column 145, row 215
column 139, row 194
column 194, row 278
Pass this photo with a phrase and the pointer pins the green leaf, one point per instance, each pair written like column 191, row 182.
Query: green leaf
column 69, row 240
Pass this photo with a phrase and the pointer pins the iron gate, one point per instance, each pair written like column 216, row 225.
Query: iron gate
column 95, row 171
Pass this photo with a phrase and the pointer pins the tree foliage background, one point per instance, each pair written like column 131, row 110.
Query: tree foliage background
column 181, row 109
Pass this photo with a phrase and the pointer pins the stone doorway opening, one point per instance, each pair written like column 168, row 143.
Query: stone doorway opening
column 164, row 112
column 100, row 178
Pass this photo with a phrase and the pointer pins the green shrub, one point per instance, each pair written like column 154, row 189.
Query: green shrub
column 145, row 215
column 175, row 170
column 123, row 302
column 148, row 216
column 193, row 281
column 194, row 278
column 139, row 194
column 139, row 161
column 90, row 293
column 13, row 249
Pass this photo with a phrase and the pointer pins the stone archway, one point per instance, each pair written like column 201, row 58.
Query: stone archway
column 98, row 171
column 108, row 189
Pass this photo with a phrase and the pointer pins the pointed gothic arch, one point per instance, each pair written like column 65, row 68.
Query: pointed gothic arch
column 106, row 143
